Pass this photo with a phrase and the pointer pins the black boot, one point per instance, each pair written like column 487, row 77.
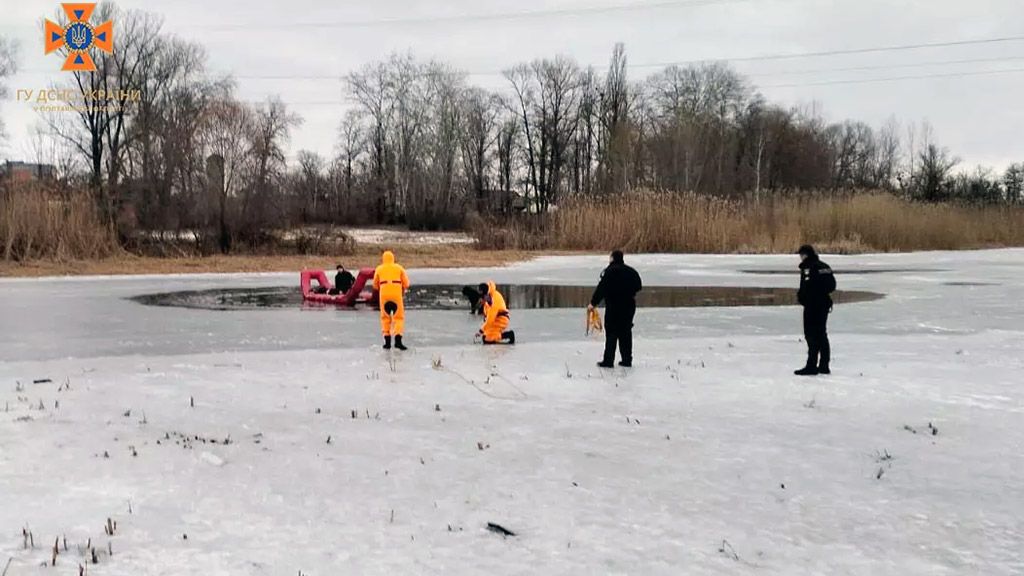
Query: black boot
column 387, row 342
column 811, row 366
column 826, row 355
column 626, row 348
column 611, row 339
column 398, row 343
column 510, row 336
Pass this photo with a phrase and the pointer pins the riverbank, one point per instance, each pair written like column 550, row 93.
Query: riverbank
column 366, row 255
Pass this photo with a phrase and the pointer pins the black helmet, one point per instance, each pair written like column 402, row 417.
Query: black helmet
column 808, row 251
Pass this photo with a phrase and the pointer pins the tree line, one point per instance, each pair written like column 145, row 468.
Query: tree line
column 419, row 145
column 420, row 135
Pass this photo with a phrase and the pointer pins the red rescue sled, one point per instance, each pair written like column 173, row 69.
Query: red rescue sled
column 360, row 293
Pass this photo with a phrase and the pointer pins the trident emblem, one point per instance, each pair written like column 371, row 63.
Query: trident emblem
column 79, row 36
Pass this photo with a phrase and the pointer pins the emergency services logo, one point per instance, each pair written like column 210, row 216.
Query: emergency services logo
column 79, row 36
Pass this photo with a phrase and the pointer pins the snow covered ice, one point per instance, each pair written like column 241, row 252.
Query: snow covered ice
column 269, row 442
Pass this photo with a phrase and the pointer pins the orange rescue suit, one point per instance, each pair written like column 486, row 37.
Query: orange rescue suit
column 391, row 282
column 495, row 315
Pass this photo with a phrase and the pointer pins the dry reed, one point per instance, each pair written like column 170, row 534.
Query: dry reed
column 40, row 223
column 688, row 223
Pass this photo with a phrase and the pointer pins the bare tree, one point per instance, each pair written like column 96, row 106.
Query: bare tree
column 443, row 99
column 522, row 106
column 931, row 180
column 508, row 135
column 887, row 155
column 226, row 135
column 479, row 134
column 311, row 186
column 164, row 154
column 853, row 150
column 547, row 97
column 588, row 141
column 699, row 107
column 126, row 70
column 371, row 89
column 413, row 118
column 408, row 131
column 1013, row 182
column 45, row 148
column 8, row 66
column 352, row 145
column 615, row 116
column 268, row 133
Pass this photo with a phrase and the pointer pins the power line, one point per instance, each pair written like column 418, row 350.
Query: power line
column 525, row 14
column 910, row 65
column 847, row 52
column 897, row 78
column 887, row 66
column 667, row 64
column 739, row 59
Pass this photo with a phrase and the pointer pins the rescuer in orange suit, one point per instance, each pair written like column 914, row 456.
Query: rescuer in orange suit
column 496, row 317
column 391, row 282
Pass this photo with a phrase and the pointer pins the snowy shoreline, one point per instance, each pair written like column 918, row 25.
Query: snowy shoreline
column 597, row 259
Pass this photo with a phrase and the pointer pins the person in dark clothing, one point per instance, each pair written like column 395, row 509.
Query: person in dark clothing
column 476, row 300
column 343, row 281
column 817, row 282
column 618, row 288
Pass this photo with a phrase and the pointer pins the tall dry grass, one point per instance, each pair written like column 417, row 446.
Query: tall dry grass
column 688, row 223
column 40, row 223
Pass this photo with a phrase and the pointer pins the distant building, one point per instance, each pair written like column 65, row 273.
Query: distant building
column 26, row 172
column 502, row 201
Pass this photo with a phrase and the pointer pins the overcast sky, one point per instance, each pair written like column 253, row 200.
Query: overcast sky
column 979, row 117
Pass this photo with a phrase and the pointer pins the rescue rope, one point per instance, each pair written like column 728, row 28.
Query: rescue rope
column 594, row 323
column 520, row 394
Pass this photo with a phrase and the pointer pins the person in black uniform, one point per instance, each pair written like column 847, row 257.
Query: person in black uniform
column 343, row 281
column 817, row 282
column 618, row 288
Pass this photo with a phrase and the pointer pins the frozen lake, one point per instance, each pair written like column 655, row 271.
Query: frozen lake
column 88, row 317
column 279, row 440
